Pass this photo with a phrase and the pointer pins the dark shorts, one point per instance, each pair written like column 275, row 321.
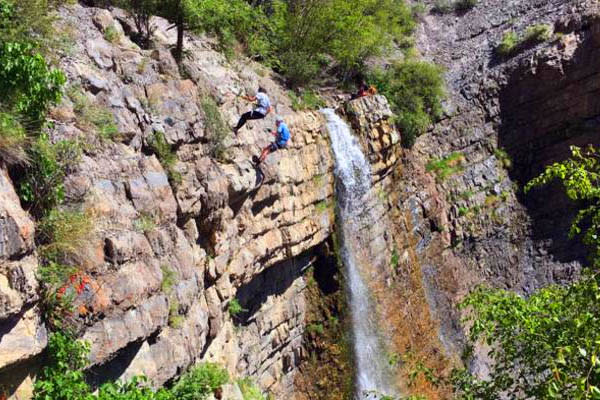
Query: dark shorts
column 277, row 146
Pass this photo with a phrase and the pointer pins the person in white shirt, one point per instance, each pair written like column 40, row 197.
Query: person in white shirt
column 263, row 107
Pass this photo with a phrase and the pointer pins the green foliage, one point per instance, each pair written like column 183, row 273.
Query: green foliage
column 446, row 166
column 415, row 90
column 509, row 44
column 315, row 329
column 545, row 346
column 307, row 100
column 169, row 279
column 200, row 381
column 580, row 178
column 503, row 158
column 538, row 33
column 249, row 390
column 27, row 83
column 231, row 21
column 313, row 33
column 63, row 378
column 395, row 259
column 175, row 319
column 63, row 234
column 216, row 128
column 56, row 304
column 12, row 140
column 166, row 156
column 111, row 34
column 42, row 186
column 235, row 308
column 322, row 206
column 144, row 223
column 94, row 116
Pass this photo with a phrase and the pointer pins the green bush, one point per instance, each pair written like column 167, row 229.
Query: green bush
column 307, row 100
column 200, row 381
column 63, row 378
column 28, row 84
column 12, row 140
column 55, row 304
column 144, row 223
column 42, row 186
column 415, row 90
column 511, row 43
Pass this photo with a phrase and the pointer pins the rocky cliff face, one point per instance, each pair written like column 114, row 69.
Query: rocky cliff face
column 202, row 223
column 505, row 118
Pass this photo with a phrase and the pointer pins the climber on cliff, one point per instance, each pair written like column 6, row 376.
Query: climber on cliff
column 282, row 136
column 263, row 107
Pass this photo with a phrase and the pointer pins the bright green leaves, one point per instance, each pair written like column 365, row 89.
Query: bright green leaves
column 27, row 81
column 580, row 178
column 545, row 347
column 63, row 378
column 415, row 90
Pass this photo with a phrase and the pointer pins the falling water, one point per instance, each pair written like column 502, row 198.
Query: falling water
column 353, row 184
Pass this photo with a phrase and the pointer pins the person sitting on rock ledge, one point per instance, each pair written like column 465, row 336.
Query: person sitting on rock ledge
column 263, row 107
column 364, row 91
column 282, row 136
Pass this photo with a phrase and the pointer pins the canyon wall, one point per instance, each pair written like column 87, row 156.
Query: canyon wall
column 173, row 246
column 505, row 118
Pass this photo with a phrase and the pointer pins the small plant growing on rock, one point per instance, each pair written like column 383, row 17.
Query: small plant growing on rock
column 169, row 279
column 175, row 319
column 503, row 158
column 395, row 259
column 145, row 223
column 111, row 34
column 315, row 329
column 509, row 43
column 166, row 156
column 446, row 166
column 63, row 234
column 538, row 33
column 249, row 390
column 94, row 116
column 216, row 128
column 235, row 308
column 42, row 187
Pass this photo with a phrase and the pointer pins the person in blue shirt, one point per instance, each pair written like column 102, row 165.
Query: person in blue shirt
column 263, row 107
column 282, row 136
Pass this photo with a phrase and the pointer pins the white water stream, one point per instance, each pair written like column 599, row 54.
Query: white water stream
column 353, row 184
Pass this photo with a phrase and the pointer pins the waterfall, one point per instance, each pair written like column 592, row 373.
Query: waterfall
column 353, row 187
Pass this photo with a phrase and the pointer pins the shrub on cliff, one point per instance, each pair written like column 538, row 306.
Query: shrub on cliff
column 63, row 378
column 415, row 90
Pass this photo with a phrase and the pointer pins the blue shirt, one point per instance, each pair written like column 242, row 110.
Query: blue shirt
column 283, row 134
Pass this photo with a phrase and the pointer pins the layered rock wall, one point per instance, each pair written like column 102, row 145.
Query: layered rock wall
column 202, row 225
